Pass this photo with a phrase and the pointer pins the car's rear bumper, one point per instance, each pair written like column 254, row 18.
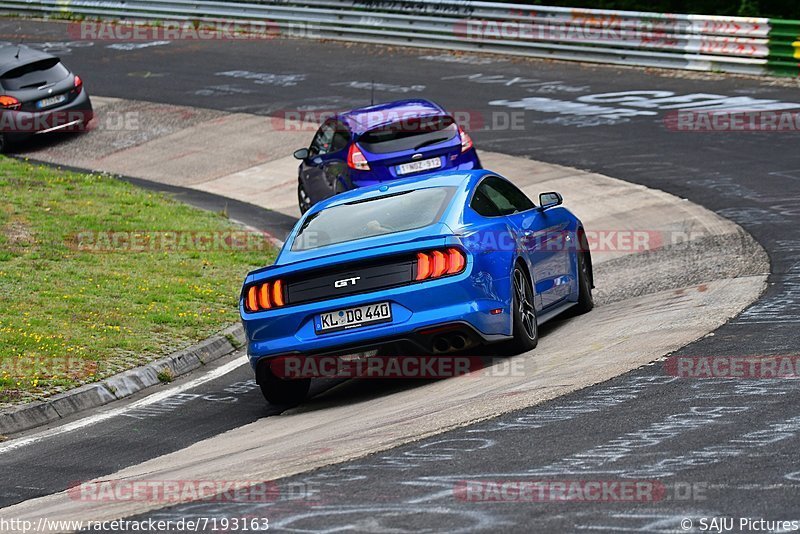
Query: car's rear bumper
column 18, row 125
column 465, row 161
column 460, row 300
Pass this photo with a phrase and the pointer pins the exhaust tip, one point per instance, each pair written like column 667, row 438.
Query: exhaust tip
column 441, row 344
column 458, row 342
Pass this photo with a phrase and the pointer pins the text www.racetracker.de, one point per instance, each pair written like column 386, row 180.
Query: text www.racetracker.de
column 197, row 524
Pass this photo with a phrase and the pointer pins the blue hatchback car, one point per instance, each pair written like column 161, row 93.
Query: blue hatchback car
column 375, row 144
column 418, row 266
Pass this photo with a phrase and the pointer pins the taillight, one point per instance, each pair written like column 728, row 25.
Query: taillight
column 264, row 296
column 251, row 303
column 9, row 102
column 78, row 84
column 356, row 160
column 423, row 266
column 438, row 263
column 466, row 140
column 277, row 293
column 456, row 261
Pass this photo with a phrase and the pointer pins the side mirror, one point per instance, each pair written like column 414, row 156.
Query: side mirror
column 549, row 200
column 301, row 154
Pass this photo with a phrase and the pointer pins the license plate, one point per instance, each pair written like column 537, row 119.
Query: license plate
column 51, row 101
column 353, row 317
column 421, row 165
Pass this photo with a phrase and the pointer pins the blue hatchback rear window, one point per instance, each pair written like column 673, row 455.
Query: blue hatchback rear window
column 409, row 134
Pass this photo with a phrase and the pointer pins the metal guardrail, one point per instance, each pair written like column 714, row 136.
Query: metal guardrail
column 694, row 42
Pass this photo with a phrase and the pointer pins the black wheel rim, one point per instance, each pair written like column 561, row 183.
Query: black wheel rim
column 525, row 308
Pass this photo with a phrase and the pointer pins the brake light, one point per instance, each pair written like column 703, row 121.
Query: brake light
column 456, row 261
column 277, row 293
column 356, row 160
column 9, row 102
column 466, row 140
column 78, row 84
column 423, row 266
column 263, row 297
column 266, row 296
column 438, row 263
column 252, row 299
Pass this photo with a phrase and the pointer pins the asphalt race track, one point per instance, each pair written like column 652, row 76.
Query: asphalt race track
column 720, row 447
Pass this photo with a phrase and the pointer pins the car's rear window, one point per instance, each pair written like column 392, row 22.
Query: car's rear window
column 409, row 134
column 33, row 75
column 377, row 216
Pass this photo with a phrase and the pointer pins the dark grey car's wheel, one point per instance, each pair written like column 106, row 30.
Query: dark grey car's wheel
column 3, row 143
column 303, row 200
column 281, row 391
column 526, row 329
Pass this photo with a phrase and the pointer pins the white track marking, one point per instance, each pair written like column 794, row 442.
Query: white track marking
column 97, row 418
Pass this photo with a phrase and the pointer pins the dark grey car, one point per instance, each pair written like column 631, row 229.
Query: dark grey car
column 38, row 94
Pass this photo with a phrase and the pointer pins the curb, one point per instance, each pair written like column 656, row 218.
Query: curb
column 119, row 386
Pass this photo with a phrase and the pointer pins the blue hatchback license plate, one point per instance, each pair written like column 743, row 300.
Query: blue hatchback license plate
column 419, row 166
column 348, row 318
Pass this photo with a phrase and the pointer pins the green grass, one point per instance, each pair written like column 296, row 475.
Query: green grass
column 72, row 314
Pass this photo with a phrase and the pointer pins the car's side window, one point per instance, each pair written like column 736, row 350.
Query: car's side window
column 482, row 204
column 341, row 137
column 506, row 196
column 321, row 144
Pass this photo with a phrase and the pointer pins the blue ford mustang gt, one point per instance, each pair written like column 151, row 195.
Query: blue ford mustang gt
column 374, row 144
column 434, row 265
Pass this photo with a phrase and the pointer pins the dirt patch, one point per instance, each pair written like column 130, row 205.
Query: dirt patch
column 693, row 263
column 18, row 234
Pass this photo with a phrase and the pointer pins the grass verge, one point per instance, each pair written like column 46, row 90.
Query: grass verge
column 97, row 276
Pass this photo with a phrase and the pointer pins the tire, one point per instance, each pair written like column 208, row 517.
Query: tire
column 282, row 392
column 585, row 299
column 3, row 143
column 338, row 187
column 303, row 200
column 526, row 329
